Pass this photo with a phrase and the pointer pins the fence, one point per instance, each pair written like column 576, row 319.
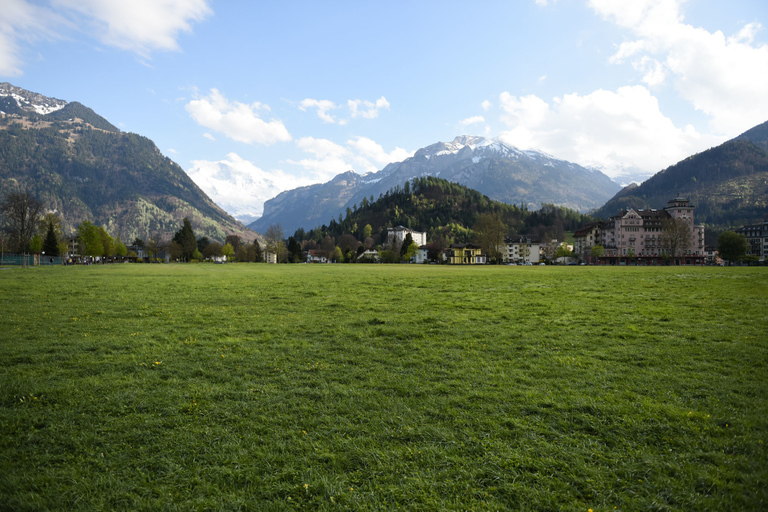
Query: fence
column 28, row 260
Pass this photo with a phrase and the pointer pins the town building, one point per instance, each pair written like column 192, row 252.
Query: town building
column 584, row 239
column 520, row 249
column 646, row 237
column 421, row 255
column 757, row 239
column 398, row 234
column 464, row 254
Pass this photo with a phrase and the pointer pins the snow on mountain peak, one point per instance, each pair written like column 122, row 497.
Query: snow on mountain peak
column 31, row 101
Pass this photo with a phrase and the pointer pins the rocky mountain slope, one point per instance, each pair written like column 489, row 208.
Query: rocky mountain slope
column 84, row 168
column 502, row 172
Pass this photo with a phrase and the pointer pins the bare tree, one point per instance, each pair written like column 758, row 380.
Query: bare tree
column 22, row 213
column 675, row 237
column 155, row 244
column 489, row 234
column 274, row 241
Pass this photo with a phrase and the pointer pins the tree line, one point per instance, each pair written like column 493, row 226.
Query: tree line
column 471, row 217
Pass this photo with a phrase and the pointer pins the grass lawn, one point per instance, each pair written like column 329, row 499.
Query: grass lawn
column 356, row 387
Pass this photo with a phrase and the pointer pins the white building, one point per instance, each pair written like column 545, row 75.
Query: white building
column 421, row 255
column 520, row 249
column 399, row 233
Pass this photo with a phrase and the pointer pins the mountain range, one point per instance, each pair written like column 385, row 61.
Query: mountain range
column 728, row 183
column 500, row 171
column 84, row 168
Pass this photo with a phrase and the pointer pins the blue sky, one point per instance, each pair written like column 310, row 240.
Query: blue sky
column 252, row 98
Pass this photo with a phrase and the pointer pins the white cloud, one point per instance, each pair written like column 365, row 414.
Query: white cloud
column 329, row 159
column 238, row 186
column 620, row 132
column 367, row 109
column 238, row 121
column 486, row 105
column 370, row 150
column 723, row 77
column 357, row 108
column 472, row 120
column 322, row 106
column 360, row 154
column 140, row 26
column 22, row 22
column 209, row 136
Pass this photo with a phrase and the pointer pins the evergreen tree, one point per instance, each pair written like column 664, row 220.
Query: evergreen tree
column 406, row 243
column 294, row 250
column 51, row 243
column 185, row 237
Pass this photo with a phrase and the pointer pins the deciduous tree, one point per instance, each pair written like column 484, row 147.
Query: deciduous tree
column 175, row 250
column 227, row 250
column 732, row 246
column 489, row 235
column 254, row 252
column 212, row 250
column 597, row 251
column 36, row 244
column 274, row 241
column 675, row 237
column 234, row 241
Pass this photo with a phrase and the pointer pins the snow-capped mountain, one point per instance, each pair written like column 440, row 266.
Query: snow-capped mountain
column 14, row 99
column 498, row 170
column 238, row 186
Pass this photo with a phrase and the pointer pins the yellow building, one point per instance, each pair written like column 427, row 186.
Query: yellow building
column 465, row 254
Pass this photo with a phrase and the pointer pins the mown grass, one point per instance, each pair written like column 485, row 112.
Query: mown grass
column 351, row 387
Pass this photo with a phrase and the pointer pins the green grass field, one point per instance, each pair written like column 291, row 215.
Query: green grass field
column 355, row 387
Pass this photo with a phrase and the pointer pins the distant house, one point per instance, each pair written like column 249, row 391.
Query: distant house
column 73, row 248
column 314, row 257
column 369, row 255
column 270, row 257
column 710, row 256
column 520, row 249
column 465, row 254
column 139, row 250
column 421, row 255
column 398, row 234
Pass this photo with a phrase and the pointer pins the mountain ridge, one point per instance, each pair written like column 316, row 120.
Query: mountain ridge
column 84, row 168
column 501, row 171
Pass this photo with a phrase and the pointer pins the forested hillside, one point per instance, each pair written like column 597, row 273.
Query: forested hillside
column 728, row 184
column 446, row 211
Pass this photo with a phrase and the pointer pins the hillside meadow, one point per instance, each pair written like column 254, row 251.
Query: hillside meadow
column 378, row 387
